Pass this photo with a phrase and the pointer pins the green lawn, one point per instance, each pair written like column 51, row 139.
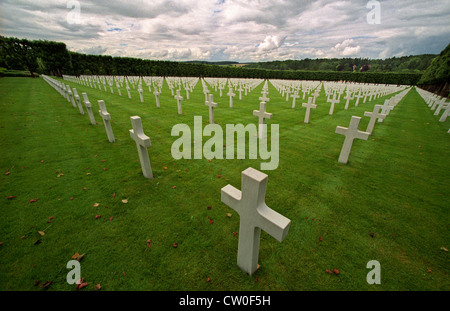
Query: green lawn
column 390, row 203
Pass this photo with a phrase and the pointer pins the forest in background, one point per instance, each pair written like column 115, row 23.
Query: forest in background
column 53, row 58
column 413, row 63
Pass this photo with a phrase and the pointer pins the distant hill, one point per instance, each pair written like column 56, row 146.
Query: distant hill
column 218, row 63
column 405, row 64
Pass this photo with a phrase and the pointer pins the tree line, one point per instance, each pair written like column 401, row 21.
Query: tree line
column 405, row 64
column 436, row 78
column 53, row 58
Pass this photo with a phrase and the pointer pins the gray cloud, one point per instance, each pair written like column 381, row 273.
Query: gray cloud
column 95, row 50
column 250, row 30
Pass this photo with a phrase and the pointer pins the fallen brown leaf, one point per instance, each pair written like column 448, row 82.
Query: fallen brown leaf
column 46, row 284
column 78, row 257
column 81, row 284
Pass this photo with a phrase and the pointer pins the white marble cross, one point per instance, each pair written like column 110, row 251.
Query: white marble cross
column 350, row 133
column 316, row 94
column 385, row 109
column 179, row 99
column 142, row 143
column 333, row 101
column 140, row 90
column 373, row 117
column 88, row 105
column 294, row 96
column 348, row 97
column 308, row 107
column 78, row 101
column 445, row 114
column 106, row 120
column 304, row 91
column 264, row 98
column 70, row 95
column 118, row 89
column 254, row 215
column 211, row 104
column 156, row 93
column 206, row 92
column 65, row 92
column 262, row 115
column 231, row 94
column 288, row 92
column 240, row 90
column 442, row 104
column 358, row 97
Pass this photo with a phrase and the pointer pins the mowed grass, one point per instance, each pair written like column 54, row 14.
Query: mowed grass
column 389, row 203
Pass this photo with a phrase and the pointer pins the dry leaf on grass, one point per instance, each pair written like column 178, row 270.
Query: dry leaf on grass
column 81, row 284
column 46, row 284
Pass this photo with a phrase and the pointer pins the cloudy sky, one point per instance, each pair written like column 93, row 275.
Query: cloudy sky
column 236, row 30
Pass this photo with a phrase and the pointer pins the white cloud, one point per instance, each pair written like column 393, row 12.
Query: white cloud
column 346, row 48
column 271, row 43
